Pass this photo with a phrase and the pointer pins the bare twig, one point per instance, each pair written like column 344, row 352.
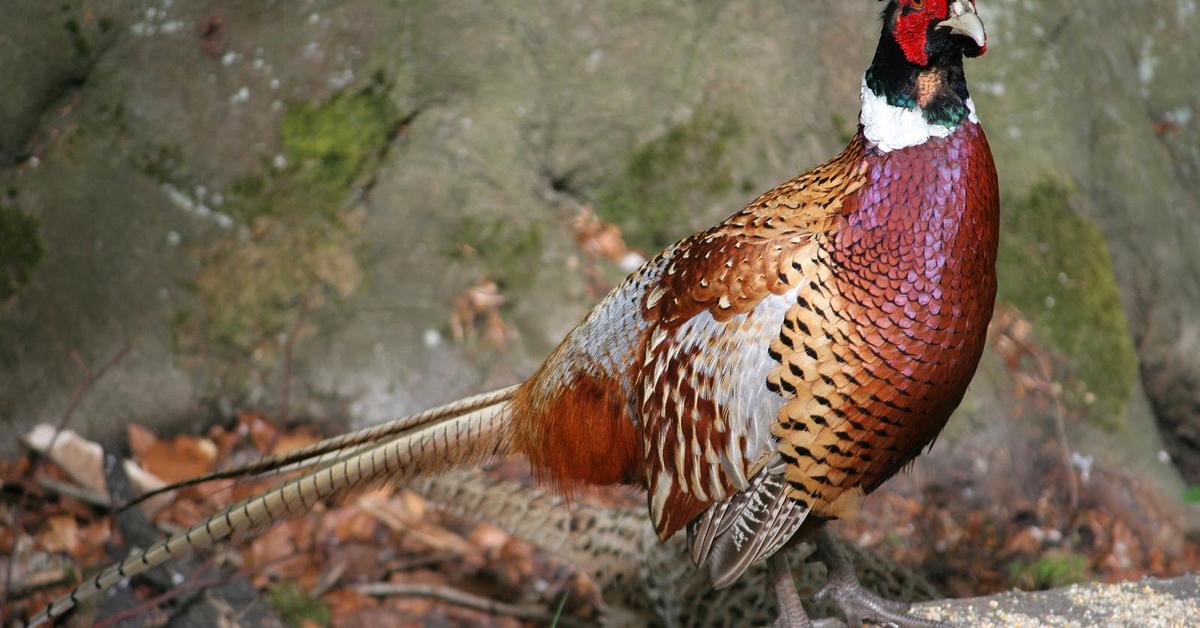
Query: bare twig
column 139, row 609
column 44, row 578
column 1054, row 393
column 14, row 516
column 89, row 381
column 289, row 347
column 1013, row 342
column 1064, row 449
column 86, row 495
column 464, row 599
column 195, row 581
column 328, row 580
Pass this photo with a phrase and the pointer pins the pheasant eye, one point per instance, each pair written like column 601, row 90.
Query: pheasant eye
column 917, row 4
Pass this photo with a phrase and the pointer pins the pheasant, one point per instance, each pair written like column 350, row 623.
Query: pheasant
column 756, row 379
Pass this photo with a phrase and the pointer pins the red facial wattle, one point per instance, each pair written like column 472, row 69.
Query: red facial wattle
column 912, row 26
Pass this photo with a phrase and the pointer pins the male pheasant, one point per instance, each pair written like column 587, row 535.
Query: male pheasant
column 756, row 378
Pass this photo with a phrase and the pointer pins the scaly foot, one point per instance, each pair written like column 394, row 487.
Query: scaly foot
column 791, row 611
column 857, row 604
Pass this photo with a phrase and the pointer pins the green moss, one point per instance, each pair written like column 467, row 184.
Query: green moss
column 158, row 162
column 1192, row 495
column 78, row 41
column 296, row 607
column 1050, row 571
column 665, row 179
column 1055, row 268
column 299, row 255
column 327, row 149
column 21, row 250
column 508, row 249
column 284, row 271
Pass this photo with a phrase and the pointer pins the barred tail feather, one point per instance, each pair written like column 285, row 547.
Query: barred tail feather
column 609, row 544
column 332, row 449
column 463, row 441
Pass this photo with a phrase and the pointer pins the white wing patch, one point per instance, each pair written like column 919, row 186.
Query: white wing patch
column 732, row 356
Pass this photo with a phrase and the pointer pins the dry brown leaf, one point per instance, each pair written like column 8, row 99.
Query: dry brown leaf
column 394, row 515
column 262, row 432
column 83, row 462
column 348, row 524
column 141, row 440
column 477, row 311
column 181, row 458
column 345, row 602
column 295, row 439
column 488, row 537
column 412, row 503
column 226, row 440
column 61, row 534
column 270, row 550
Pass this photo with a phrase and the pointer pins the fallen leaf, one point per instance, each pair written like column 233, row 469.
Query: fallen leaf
column 83, row 461
column 181, row 458
column 61, row 534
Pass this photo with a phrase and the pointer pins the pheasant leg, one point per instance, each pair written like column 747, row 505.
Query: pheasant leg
column 856, row 603
column 791, row 611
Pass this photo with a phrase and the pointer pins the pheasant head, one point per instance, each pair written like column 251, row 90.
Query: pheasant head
column 915, row 88
column 929, row 30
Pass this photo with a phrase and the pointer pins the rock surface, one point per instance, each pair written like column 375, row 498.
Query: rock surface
column 204, row 191
column 1146, row 604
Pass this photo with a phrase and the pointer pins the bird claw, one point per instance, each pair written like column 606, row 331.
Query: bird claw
column 791, row 610
column 857, row 604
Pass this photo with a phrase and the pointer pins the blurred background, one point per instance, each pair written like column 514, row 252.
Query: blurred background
column 328, row 213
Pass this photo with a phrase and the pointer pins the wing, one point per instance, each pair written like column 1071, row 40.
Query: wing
column 749, row 526
column 703, row 398
column 706, row 410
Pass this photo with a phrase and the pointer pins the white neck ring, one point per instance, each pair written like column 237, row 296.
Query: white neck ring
column 891, row 128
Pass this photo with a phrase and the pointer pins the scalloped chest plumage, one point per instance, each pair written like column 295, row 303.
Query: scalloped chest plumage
column 893, row 331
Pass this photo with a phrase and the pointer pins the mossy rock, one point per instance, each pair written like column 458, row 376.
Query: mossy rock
column 1055, row 268
column 282, row 270
column 297, row 608
column 665, row 178
column 510, row 249
column 1053, row 570
column 20, row 250
column 298, row 253
column 326, row 150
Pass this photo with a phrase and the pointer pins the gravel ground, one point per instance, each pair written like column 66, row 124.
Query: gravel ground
column 1148, row 603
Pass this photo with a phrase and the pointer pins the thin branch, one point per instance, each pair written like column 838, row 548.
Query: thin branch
column 1060, row 428
column 188, row 585
column 191, row 583
column 464, row 599
column 289, row 347
column 85, row 495
column 328, row 580
column 14, row 516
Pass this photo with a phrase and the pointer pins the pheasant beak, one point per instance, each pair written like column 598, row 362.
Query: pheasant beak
column 965, row 21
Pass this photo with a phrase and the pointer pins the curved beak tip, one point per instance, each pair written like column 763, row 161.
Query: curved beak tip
column 968, row 25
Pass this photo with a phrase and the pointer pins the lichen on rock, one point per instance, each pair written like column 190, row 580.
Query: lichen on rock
column 1054, row 267
column 665, row 178
column 510, row 249
column 21, row 250
column 297, row 252
column 326, row 149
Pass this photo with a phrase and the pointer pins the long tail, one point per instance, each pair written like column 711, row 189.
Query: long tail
column 331, row 449
column 459, row 442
